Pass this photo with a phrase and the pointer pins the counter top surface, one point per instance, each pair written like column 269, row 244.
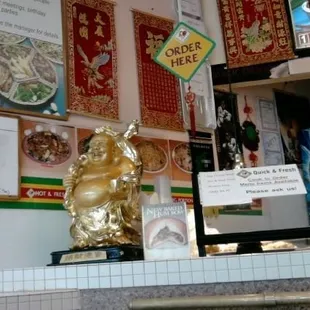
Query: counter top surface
column 208, row 270
column 112, row 299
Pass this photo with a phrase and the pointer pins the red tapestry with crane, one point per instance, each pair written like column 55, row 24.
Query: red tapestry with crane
column 92, row 62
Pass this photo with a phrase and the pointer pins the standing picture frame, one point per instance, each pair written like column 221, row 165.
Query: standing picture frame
column 10, row 181
column 33, row 60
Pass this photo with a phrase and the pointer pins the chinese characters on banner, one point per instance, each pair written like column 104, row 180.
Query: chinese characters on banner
column 92, row 58
column 160, row 100
column 255, row 32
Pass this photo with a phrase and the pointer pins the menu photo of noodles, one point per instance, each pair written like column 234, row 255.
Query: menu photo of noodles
column 155, row 156
column 181, row 161
column 47, row 150
column 165, row 231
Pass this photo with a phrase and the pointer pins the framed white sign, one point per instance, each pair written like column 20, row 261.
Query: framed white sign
column 9, row 158
column 241, row 186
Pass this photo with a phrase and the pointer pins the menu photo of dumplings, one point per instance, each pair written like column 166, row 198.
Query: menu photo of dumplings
column 47, row 150
column 165, row 231
column 155, row 156
column 32, row 76
column 181, row 160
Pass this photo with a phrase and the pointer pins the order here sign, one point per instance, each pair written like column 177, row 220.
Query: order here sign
column 184, row 51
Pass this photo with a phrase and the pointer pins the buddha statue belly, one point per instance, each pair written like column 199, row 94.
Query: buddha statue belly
column 92, row 193
column 102, row 190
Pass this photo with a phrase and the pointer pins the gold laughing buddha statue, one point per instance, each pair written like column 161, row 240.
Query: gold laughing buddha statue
column 102, row 190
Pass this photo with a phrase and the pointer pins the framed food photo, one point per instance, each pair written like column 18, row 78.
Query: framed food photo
column 155, row 157
column 32, row 64
column 9, row 157
column 84, row 136
column 47, row 150
column 181, row 161
column 299, row 16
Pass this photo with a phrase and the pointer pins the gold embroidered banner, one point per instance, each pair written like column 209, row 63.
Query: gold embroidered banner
column 160, row 99
column 93, row 85
column 255, row 32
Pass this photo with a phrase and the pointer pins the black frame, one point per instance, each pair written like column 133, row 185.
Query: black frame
column 300, row 52
column 242, row 237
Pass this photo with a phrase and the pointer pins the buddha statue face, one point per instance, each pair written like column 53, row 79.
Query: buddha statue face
column 101, row 149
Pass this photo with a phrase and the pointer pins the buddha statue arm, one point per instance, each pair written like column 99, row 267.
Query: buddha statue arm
column 128, row 149
column 71, row 180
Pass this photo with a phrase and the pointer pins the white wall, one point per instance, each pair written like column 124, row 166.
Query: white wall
column 127, row 68
column 214, row 31
column 278, row 213
column 28, row 236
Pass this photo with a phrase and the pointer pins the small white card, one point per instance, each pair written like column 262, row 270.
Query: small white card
column 165, row 231
column 220, row 188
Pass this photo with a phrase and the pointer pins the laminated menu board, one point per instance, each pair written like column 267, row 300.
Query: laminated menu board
column 165, row 231
column 32, row 65
column 9, row 158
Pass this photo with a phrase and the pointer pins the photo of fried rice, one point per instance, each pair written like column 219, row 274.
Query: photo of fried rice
column 46, row 147
column 154, row 158
column 181, row 156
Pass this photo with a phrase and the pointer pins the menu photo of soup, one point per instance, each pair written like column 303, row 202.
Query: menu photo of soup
column 47, row 150
column 83, row 138
column 155, row 156
column 181, row 161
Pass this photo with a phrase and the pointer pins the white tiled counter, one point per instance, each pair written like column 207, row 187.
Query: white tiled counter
column 260, row 267
column 55, row 300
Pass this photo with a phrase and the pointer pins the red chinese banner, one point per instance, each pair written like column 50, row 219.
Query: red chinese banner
column 160, row 99
column 92, row 65
column 255, row 32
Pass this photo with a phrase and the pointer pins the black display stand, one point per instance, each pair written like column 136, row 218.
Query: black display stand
column 249, row 248
column 249, row 242
column 97, row 255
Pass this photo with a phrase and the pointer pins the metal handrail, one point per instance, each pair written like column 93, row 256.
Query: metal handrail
column 205, row 302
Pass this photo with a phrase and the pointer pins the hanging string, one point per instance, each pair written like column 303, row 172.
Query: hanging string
column 190, row 99
column 233, row 110
column 247, row 110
